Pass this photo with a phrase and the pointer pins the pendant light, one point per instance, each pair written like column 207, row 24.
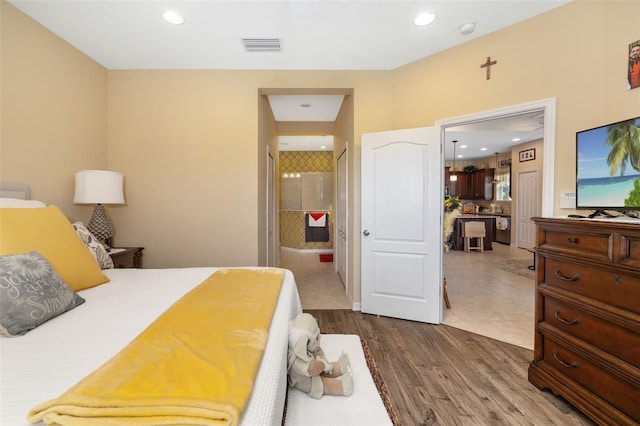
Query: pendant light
column 454, row 177
column 495, row 172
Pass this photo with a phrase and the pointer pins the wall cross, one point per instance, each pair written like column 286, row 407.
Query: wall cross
column 487, row 65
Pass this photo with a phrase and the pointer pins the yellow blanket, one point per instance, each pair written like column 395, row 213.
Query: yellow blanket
column 194, row 365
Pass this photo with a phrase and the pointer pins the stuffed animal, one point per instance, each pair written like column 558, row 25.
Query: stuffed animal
column 308, row 369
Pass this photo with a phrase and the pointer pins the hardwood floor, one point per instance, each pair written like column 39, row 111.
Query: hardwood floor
column 454, row 375
column 441, row 375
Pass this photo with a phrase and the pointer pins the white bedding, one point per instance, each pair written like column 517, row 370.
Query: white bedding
column 48, row 360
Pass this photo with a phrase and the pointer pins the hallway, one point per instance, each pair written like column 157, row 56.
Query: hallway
column 318, row 284
column 491, row 293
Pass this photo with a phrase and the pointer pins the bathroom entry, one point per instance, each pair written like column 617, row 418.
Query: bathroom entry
column 306, row 196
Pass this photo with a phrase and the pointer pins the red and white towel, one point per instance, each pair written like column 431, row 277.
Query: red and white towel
column 317, row 220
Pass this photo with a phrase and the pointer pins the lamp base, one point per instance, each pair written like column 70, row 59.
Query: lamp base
column 100, row 225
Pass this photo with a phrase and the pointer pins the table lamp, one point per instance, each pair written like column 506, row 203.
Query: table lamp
column 99, row 187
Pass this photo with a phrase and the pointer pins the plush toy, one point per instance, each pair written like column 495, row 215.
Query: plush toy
column 308, row 369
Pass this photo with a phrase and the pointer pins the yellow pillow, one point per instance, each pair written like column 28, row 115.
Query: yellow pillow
column 48, row 231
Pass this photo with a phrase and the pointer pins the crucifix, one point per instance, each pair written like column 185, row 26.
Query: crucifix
column 487, row 65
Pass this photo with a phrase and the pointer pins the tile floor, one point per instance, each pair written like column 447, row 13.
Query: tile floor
column 486, row 298
column 318, row 284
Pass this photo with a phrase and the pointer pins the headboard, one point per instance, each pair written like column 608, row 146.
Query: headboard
column 15, row 190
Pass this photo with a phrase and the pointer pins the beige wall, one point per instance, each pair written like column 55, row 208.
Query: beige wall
column 187, row 140
column 187, row 143
column 54, row 111
column 576, row 53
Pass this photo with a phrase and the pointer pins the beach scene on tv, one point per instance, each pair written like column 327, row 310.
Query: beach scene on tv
column 608, row 166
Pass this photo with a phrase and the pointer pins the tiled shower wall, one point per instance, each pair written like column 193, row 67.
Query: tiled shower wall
column 292, row 221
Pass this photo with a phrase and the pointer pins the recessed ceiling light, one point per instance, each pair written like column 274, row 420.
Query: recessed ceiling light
column 424, row 19
column 515, row 139
column 172, row 17
column 323, row 147
column 463, row 146
column 483, row 149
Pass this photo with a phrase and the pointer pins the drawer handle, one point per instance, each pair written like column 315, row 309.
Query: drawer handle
column 618, row 279
column 572, row 240
column 576, row 277
column 564, row 363
column 564, row 321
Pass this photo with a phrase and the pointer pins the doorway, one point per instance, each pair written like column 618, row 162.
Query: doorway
column 545, row 208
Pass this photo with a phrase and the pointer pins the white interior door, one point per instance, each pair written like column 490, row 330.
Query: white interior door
column 527, row 208
column 401, row 224
column 340, row 233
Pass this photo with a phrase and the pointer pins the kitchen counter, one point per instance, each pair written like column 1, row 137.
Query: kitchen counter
column 485, row 214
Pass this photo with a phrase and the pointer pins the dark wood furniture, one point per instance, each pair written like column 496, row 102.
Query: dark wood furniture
column 480, row 184
column 587, row 339
column 475, row 185
column 460, row 187
column 131, row 257
column 458, row 239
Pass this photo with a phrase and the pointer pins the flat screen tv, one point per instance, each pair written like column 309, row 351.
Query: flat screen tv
column 608, row 167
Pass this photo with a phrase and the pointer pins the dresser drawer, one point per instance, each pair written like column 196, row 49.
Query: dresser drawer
column 593, row 246
column 613, row 289
column 612, row 338
column 630, row 250
column 618, row 392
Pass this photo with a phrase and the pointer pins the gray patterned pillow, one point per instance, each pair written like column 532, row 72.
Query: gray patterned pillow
column 31, row 293
column 95, row 247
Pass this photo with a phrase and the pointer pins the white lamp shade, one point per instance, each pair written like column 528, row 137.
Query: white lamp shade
column 98, row 187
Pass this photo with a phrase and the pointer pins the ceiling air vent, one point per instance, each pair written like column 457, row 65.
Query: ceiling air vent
column 261, row 44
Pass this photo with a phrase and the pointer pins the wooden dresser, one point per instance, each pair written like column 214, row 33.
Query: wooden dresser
column 587, row 340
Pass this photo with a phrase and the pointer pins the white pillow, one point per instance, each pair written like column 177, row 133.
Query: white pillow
column 97, row 250
column 18, row 203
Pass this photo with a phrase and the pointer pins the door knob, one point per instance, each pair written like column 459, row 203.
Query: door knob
column 365, row 233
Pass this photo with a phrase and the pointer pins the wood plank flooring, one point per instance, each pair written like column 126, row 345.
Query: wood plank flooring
column 440, row 375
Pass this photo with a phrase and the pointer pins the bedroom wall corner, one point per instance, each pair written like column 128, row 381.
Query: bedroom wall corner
column 53, row 113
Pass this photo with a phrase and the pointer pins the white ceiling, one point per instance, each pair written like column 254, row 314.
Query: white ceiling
column 305, row 107
column 484, row 139
column 314, row 35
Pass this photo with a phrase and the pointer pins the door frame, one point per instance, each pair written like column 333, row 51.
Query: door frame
column 548, row 107
column 270, row 210
column 339, row 210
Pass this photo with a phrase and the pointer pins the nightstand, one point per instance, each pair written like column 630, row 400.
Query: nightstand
column 131, row 257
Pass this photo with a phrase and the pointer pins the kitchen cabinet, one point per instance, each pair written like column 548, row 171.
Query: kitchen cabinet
column 480, row 184
column 460, row 187
column 476, row 185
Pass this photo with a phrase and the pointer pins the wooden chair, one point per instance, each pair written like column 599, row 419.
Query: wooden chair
column 471, row 230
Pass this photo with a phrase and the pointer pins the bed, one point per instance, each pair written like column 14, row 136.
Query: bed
column 46, row 361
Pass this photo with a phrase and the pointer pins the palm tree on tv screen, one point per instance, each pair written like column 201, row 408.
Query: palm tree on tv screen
column 624, row 140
